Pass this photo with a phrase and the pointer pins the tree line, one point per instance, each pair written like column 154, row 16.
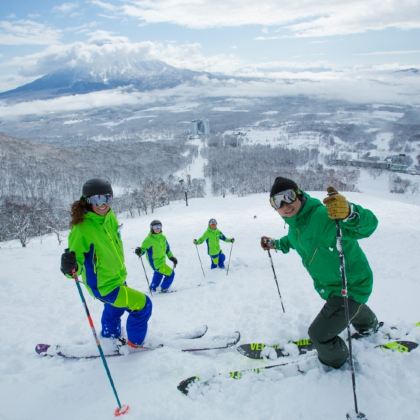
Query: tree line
column 40, row 181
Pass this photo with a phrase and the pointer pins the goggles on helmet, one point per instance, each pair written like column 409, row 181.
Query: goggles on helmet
column 156, row 227
column 283, row 197
column 99, row 199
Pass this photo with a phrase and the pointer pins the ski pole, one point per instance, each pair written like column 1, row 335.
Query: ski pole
column 275, row 278
column 122, row 408
column 344, row 293
column 230, row 253
column 201, row 264
column 145, row 274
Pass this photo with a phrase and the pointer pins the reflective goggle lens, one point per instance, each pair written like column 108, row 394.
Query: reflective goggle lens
column 283, row 197
column 100, row 199
column 156, row 227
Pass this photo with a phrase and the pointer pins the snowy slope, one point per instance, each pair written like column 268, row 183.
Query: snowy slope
column 40, row 305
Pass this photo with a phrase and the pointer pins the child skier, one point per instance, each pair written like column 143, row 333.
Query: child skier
column 157, row 248
column 212, row 236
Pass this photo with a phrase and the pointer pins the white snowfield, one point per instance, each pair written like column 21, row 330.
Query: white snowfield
column 38, row 304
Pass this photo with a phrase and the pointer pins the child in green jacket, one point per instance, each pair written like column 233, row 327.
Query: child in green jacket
column 157, row 248
column 212, row 237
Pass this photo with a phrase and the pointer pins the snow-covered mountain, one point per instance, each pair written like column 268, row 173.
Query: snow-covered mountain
column 138, row 74
column 40, row 305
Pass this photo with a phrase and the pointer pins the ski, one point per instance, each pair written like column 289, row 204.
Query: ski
column 258, row 350
column 225, row 343
column 121, row 349
column 275, row 351
column 290, row 367
column 186, row 385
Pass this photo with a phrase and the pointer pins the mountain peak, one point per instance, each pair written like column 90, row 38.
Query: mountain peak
column 102, row 75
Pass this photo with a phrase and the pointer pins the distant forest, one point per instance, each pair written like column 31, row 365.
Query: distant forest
column 40, row 181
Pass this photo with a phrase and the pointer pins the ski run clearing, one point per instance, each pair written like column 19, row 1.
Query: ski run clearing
column 40, row 305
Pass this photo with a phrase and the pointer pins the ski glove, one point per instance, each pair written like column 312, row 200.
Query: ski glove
column 232, row 240
column 195, row 242
column 337, row 206
column 68, row 262
column 138, row 251
column 267, row 243
column 174, row 260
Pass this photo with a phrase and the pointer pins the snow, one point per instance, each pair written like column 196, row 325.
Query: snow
column 40, row 305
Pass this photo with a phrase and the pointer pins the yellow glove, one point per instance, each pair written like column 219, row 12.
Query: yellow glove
column 337, row 206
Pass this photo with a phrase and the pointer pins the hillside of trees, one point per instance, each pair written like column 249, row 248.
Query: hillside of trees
column 40, row 181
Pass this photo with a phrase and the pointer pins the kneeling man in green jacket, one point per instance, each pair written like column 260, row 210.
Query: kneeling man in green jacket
column 312, row 233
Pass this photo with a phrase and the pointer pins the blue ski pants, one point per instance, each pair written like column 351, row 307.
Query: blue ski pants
column 218, row 260
column 157, row 279
column 139, row 308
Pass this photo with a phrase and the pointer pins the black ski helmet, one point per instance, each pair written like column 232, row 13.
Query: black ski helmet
column 154, row 223
column 96, row 186
column 282, row 184
column 212, row 222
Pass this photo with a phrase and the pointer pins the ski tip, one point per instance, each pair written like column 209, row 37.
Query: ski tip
column 42, row 348
column 401, row 346
column 120, row 411
column 184, row 386
column 204, row 328
column 353, row 415
column 235, row 339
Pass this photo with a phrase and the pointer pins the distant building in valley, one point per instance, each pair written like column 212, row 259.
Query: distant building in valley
column 200, row 127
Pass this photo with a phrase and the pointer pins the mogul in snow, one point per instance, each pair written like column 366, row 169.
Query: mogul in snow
column 212, row 236
column 157, row 248
column 312, row 233
column 95, row 251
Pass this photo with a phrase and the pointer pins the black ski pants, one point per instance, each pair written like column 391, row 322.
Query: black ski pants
column 331, row 321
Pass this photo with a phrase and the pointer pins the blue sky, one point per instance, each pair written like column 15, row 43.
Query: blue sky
column 321, row 40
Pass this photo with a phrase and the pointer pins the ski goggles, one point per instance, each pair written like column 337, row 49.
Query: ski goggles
column 99, row 199
column 156, row 227
column 283, row 197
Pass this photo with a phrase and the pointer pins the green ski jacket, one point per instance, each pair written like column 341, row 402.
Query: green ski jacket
column 157, row 248
column 212, row 238
column 313, row 235
column 99, row 253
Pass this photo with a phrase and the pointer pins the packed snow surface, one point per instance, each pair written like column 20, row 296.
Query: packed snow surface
column 40, row 305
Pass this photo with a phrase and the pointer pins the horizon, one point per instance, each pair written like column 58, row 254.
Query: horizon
column 347, row 48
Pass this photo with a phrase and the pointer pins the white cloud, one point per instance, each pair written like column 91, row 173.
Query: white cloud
column 302, row 17
column 108, row 50
column 66, row 7
column 395, row 52
column 70, row 103
column 104, row 5
column 27, row 32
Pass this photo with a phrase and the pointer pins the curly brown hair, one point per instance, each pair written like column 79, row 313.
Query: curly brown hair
column 78, row 210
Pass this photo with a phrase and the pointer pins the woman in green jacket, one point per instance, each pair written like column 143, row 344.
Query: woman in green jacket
column 95, row 252
column 212, row 236
column 157, row 248
column 312, row 233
